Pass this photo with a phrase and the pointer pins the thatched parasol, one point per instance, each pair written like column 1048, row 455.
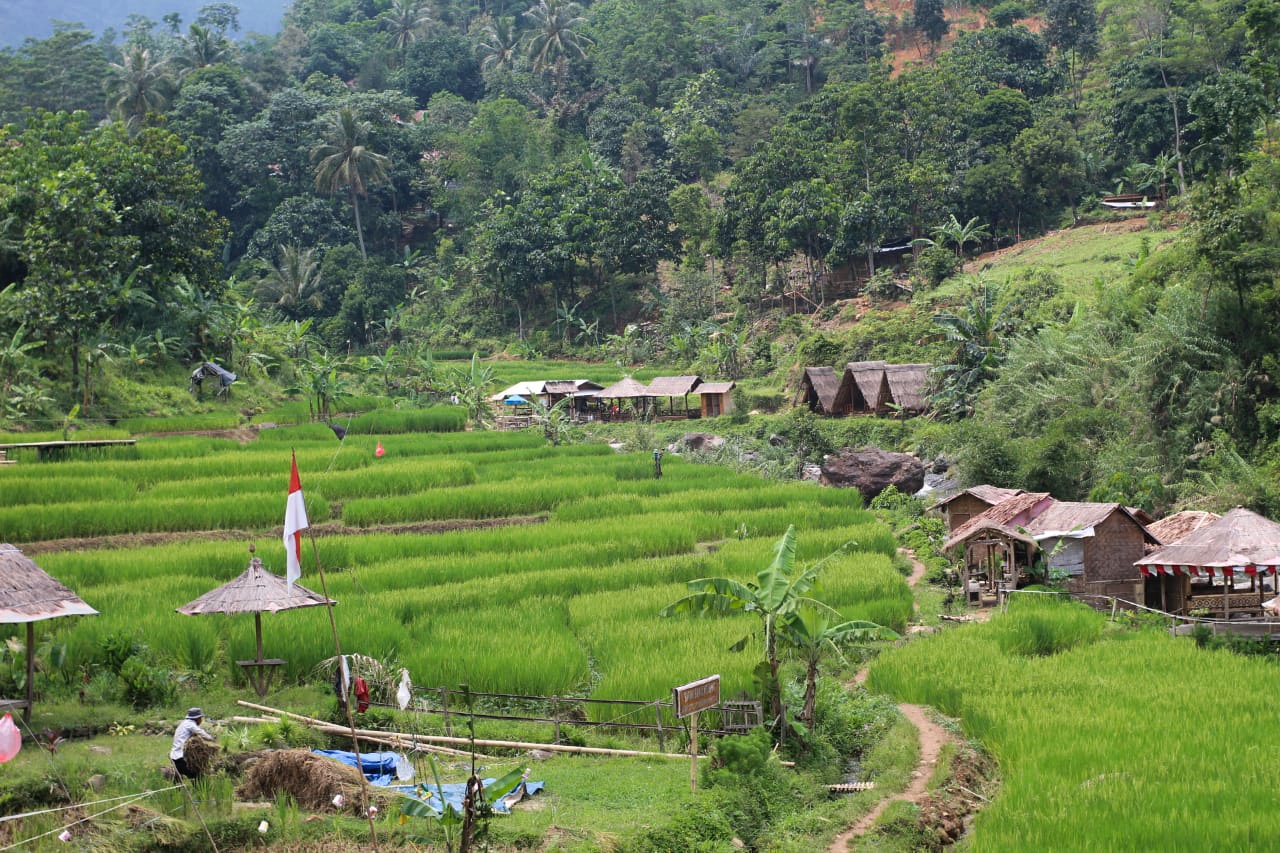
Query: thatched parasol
column 253, row 592
column 28, row 594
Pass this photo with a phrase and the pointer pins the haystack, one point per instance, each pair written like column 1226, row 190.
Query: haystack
column 312, row 780
column 201, row 755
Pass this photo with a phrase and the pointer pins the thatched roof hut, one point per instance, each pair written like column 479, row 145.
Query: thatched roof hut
column 818, row 387
column 862, row 388
column 29, row 595
column 672, row 387
column 625, row 388
column 256, row 590
column 908, row 386
column 1240, row 542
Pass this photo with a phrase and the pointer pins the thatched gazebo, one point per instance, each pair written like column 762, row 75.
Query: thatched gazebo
column 625, row 388
column 255, row 591
column 28, row 594
column 1241, row 544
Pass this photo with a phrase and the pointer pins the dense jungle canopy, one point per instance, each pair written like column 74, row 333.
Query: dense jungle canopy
column 692, row 183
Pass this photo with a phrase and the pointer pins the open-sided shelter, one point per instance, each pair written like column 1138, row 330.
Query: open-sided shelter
column 672, row 387
column 255, row 591
column 29, row 595
column 1240, row 545
column 818, row 387
column 619, row 398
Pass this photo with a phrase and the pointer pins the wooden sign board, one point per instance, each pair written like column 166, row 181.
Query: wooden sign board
column 696, row 696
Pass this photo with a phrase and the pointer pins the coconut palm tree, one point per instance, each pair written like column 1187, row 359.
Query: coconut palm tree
column 556, row 23
column 498, row 43
column 345, row 161
column 404, row 22
column 203, row 47
column 292, row 281
column 139, row 84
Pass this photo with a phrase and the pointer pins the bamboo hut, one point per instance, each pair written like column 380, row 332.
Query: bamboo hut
column 256, row 590
column 862, row 389
column 1240, row 545
column 908, row 387
column 818, row 387
column 29, row 595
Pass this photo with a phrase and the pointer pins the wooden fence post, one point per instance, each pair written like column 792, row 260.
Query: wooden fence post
column 662, row 740
column 555, row 715
column 444, row 707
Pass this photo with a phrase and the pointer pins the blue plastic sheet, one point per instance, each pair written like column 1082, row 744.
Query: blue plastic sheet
column 380, row 770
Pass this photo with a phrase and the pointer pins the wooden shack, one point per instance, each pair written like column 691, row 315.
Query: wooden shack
column 962, row 506
column 717, row 398
column 1093, row 544
column 818, row 387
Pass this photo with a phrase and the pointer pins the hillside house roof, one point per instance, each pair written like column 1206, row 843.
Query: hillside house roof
column 990, row 495
column 868, row 376
column 1004, row 517
column 908, row 384
column 824, row 383
column 625, row 388
column 673, row 386
column 1032, row 517
column 1241, row 540
column 1176, row 527
column 715, row 387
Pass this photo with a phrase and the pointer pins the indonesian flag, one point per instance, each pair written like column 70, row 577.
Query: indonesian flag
column 295, row 521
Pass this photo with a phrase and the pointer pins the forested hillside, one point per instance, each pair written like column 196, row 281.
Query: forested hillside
column 668, row 181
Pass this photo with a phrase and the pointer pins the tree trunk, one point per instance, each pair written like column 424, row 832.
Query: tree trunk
column 355, row 206
column 810, row 693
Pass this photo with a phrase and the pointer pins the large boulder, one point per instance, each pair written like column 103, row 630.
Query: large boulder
column 872, row 470
column 698, row 442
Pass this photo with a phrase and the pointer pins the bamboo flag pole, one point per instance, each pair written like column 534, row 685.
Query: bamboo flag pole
column 351, row 720
column 295, row 488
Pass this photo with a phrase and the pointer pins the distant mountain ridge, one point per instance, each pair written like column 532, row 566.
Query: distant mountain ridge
column 23, row 19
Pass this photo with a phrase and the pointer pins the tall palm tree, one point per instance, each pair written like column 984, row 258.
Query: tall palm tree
column 292, row 281
column 405, row 21
column 556, row 23
column 139, row 84
column 203, row 47
column 345, row 161
column 498, row 44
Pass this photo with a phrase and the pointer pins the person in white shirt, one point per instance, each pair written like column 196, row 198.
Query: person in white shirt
column 186, row 730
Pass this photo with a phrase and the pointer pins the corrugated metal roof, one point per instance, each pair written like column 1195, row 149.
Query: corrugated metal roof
column 1004, row 517
column 673, row 386
column 715, row 387
column 569, row 386
column 908, row 384
column 256, row 590
column 990, row 495
column 29, row 594
column 531, row 388
column 1178, row 526
column 1239, row 538
column 824, row 383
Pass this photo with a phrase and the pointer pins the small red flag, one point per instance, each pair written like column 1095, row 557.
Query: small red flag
column 380, row 452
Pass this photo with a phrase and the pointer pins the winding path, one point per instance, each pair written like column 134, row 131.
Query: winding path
column 932, row 739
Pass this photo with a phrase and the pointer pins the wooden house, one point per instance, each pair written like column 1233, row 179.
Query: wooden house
column 962, row 506
column 717, row 398
column 1093, row 544
column 818, row 387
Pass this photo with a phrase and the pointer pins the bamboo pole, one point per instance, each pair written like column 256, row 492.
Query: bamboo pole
column 506, row 744
column 396, row 739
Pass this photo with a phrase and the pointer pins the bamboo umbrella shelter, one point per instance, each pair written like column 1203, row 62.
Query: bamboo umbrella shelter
column 625, row 388
column 1240, row 544
column 28, row 594
column 255, row 591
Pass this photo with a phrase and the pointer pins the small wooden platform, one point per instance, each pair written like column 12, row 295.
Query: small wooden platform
column 261, row 673
column 52, row 447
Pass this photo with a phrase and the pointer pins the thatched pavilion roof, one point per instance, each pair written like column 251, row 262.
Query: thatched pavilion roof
column 672, row 386
column 625, row 388
column 254, row 591
column 908, row 383
column 867, row 375
column 29, row 594
column 989, row 495
column 825, row 385
column 715, row 387
column 1240, row 539
column 1178, row 526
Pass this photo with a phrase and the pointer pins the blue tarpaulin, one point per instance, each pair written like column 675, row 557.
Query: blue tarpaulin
column 380, row 770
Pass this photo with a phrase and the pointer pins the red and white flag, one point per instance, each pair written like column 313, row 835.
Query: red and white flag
column 295, row 521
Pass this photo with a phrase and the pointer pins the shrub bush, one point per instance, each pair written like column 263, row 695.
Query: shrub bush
column 1039, row 625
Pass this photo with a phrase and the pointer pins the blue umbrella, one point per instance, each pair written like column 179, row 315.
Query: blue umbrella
column 516, row 400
